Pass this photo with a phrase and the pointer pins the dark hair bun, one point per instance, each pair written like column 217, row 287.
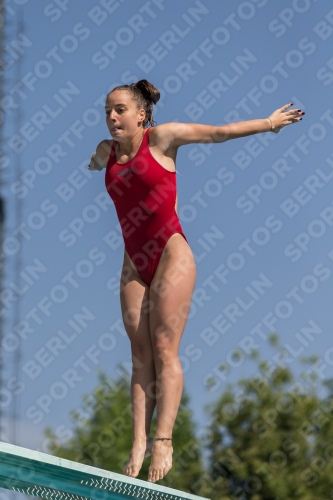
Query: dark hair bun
column 147, row 89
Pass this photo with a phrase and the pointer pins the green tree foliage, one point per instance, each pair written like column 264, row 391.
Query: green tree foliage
column 102, row 435
column 271, row 437
column 268, row 437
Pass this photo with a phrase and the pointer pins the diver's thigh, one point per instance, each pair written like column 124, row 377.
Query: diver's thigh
column 134, row 302
column 171, row 291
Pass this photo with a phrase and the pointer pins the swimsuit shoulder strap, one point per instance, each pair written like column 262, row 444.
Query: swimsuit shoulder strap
column 145, row 138
column 144, row 144
column 112, row 155
column 113, row 148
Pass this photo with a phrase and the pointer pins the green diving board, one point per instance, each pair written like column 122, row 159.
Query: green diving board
column 46, row 476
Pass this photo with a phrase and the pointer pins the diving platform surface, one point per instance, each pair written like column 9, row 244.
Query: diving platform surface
column 46, row 476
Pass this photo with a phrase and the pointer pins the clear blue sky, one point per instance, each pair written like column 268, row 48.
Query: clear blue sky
column 266, row 199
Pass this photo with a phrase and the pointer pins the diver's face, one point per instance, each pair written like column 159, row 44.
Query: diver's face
column 123, row 118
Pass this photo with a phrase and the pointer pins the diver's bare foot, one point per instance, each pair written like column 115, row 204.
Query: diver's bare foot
column 134, row 463
column 161, row 461
column 137, row 455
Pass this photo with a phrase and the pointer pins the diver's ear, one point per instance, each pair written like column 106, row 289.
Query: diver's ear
column 141, row 115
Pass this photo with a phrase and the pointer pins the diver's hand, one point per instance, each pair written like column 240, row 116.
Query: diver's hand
column 95, row 163
column 281, row 117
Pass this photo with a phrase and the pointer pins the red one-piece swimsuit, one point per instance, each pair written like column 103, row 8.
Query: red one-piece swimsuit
column 144, row 194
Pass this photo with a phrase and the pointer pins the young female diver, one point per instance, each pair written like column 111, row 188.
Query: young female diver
column 158, row 273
